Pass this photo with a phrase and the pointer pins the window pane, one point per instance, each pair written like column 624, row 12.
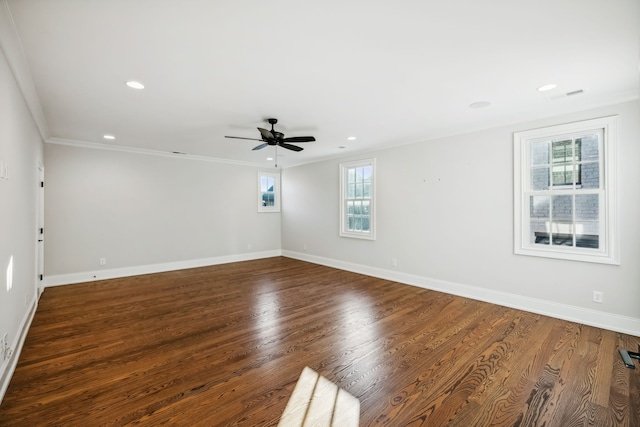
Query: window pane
column 562, row 220
column 365, row 207
column 266, row 184
column 367, row 170
column 589, row 150
column 587, row 207
column 540, row 179
column 562, row 210
column 268, row 199
column 365, row 224
column 587, row 234
column 351, row 191
column 562, row 239
column 539, row 208
column 538, row 232
column 350, row 208
column 358, row 223
column 351, row 175
column 358, row 208
column 565, row 174
column 367, row 190
column 539, row 219
column 590, row 175
column 587, row 227
column 351, row 221
column 540, row 153
column 562, row 151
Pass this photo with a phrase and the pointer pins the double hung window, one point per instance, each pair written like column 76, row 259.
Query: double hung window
column 268, row 192
column 357, row 201
column 565, row 191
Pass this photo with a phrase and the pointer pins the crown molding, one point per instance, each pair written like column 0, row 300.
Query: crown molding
column 12, row 47
column 147, row 152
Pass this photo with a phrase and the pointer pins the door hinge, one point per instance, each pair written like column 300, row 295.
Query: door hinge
column 41, row 277
column 42, row 184
column 41, row 230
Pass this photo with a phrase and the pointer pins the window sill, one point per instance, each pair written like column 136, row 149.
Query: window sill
column 361, row 236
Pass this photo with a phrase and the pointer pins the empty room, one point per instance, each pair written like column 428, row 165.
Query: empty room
column 326, row 213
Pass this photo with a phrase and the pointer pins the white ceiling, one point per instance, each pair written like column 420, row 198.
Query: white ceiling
column 387, row 72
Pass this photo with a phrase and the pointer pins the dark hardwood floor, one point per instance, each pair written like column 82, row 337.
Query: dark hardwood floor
column 224, row 345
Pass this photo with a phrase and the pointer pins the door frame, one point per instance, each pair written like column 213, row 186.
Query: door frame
column 39, row 285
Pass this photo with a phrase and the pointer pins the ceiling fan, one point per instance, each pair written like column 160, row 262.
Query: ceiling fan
column 276, row 139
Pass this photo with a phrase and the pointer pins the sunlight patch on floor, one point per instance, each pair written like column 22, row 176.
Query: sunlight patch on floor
column 316, row 401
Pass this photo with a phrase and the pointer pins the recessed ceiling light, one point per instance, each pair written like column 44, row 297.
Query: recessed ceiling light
column 351, row 138
column 547, row 87
column 269, row 158
column 109, row 137
column 135, row 85
column 480, row 104
column 342, row 147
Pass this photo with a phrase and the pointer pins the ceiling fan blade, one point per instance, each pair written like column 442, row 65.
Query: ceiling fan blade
column 239, row 137
column 299, row 139
column 259, row 147
column 289, row 146
column 266, row 134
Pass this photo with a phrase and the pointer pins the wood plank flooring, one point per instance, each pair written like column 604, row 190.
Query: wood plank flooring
column 225, row 345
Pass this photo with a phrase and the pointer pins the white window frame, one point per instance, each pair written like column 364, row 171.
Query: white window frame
column 608, row 250
column 344, row 229
column 276, row 192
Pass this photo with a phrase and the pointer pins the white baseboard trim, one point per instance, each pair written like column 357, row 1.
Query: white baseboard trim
column 91, row 276
column 599, row 319
column 9, row 366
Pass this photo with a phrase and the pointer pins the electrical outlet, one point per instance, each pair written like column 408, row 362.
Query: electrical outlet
column 103, row 261
column 598, row 296
column 249, row 246
column 304, row 246
column 394, row 262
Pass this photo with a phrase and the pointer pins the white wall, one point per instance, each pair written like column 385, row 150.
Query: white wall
column 445, row 212
column 21, row 151
column 147, row 212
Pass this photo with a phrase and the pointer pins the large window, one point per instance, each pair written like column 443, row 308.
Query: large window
column 565, row 181
column 357, row 201
column 268, row 192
